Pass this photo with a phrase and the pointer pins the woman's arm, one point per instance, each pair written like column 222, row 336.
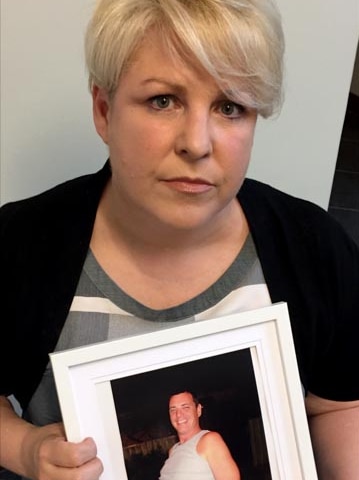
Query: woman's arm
column 334, row 428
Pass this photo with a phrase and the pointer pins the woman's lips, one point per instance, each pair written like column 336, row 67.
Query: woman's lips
column 188, row 185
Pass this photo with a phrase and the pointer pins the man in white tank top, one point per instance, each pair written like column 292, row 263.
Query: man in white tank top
column 199, row 454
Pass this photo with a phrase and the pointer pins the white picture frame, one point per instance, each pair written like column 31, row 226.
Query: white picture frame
column 94, row 384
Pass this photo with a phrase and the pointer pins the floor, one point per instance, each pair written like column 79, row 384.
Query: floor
column 344, row 199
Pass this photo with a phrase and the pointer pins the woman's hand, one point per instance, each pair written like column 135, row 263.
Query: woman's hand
column 43, row 453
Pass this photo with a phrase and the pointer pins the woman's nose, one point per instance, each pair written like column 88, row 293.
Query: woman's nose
column 194, row 138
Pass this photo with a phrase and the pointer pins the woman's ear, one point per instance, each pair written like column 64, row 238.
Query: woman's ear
column 100, row 111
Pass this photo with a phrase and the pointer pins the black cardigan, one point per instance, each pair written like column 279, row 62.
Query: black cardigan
column 307, row 259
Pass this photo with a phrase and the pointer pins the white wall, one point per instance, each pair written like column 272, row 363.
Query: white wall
column 46, row 127
column 47, row 134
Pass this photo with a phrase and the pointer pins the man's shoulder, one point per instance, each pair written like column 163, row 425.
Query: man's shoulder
column 210, row 438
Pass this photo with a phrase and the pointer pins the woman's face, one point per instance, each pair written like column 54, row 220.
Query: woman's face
column 179, row 148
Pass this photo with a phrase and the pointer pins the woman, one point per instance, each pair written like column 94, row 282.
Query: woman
column 170, row 232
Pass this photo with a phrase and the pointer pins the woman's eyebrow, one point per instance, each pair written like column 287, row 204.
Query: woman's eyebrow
column 163, row 82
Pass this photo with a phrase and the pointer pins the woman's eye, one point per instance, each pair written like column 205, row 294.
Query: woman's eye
column 231, row 109
column 161, row 101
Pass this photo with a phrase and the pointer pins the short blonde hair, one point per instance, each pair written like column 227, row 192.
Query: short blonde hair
column 239, row 42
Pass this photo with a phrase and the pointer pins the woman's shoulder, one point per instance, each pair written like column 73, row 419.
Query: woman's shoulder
column 51, row 195
column 269, row 207
column 262, row 194
column 63, row 200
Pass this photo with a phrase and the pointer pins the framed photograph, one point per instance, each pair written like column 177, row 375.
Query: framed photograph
column 242, row 367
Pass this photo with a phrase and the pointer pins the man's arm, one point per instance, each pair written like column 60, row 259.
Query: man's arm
column 334, row 428
column 43, row 452
column 213, row 448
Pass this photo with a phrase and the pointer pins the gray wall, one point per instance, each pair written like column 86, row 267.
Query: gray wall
column 47, row 134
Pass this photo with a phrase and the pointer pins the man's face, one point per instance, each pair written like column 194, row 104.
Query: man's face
column 184, row 413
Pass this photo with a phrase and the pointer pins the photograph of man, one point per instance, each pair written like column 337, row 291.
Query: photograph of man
column 199, row 454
